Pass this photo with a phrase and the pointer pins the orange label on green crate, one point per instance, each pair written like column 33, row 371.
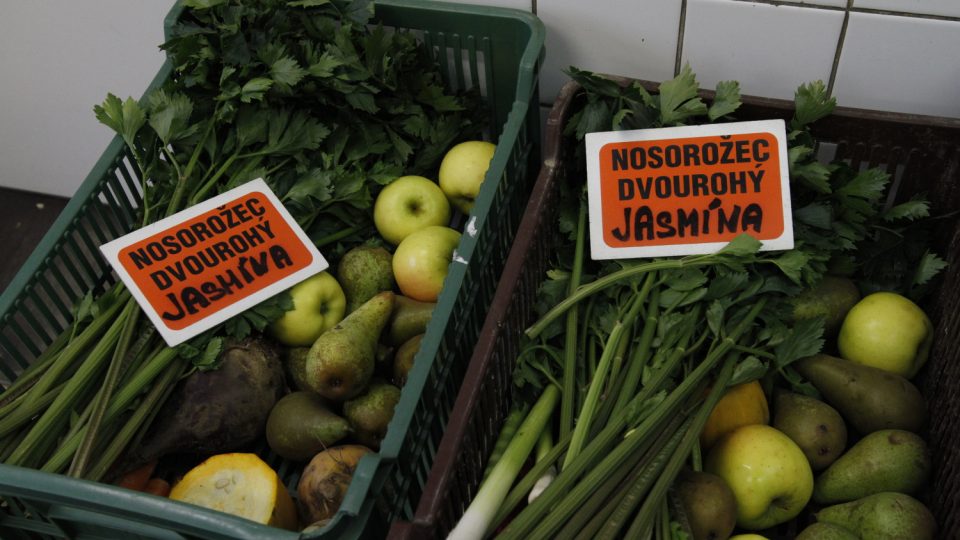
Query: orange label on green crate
column 199, row 267
column 688, row 190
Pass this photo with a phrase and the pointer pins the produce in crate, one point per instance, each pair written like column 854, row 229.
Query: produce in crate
column 340, row 362
column 325, row 480
column 239, row 484
column 742, row 405
column 220, row 410
column 408, row 204
column 319, row 303
column 768, row 473
column 887, row 331
column 409, row 318
column 370, row 412
column 634, row 345
column 403, row 359
column 885, row 460
column 817, row 428
column 826, row 531
column 462, row 171
column 882, row 516
column 869, row 398
column 831, row 299
column 709, row 504
column 421, row 261
column 363, row 272
column 327, row 109
column 302, row 424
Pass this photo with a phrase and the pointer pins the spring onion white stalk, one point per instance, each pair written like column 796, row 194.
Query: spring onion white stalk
column 544, row 445
column 478, row 517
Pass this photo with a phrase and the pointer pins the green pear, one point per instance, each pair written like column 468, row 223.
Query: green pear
column 826, row 531
column 370, row 413
column 363, row 272
column 403, row 360
column 831, row 299
column 341, row 362
column 883, row 516
column 301, row 424
column 709, row 503
column 886, row 460
column 409, row 318
column 295, row 366
column 870, row 399
column 817, row 428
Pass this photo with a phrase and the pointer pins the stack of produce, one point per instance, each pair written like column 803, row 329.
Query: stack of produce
column 353, row 128
column 643, row 391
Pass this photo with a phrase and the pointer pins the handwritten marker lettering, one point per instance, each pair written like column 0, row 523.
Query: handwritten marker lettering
column 676, row 191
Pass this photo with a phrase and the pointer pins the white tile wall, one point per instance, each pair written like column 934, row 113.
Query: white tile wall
column 897, row 55
column 949, row 8
column 634, row 38
column 903, row 64
column 58, row 59
column 769, row 49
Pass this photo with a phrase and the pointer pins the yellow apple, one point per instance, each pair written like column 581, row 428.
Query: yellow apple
column 409, row 204
column 747, row 536
column 462, row 171
column 770, row 476
column 318, row 304
column 886, row 330
column 421, row 261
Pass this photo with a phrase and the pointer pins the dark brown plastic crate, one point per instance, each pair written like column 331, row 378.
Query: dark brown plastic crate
column 921, row 152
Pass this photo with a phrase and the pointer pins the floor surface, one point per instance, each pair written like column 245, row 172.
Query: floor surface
column 24, row 219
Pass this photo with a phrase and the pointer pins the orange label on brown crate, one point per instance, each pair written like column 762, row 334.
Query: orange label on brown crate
column 199, row 267
column 688, row 190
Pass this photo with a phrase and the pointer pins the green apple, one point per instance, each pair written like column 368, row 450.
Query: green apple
column 770, row 476
column 318, row 304
column 886, row 330
column 747, row 536
column 409, row 204
column 421, row 261
column 462, row 171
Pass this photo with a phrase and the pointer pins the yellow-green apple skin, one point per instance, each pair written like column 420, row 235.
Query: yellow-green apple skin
column 462, row 171
column 318, row 304
column 770, row 476
column 887, row 331
column 421, row 261
column 408, row 204
column 748, row 536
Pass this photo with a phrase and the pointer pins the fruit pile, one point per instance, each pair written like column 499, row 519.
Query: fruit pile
column 347, row 345
column 848, row 460
column 322, row 384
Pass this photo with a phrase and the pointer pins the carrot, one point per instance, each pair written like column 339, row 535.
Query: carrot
column 137, row 478
column 157, row 486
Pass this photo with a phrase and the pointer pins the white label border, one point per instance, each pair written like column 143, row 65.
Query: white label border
column 111, row 251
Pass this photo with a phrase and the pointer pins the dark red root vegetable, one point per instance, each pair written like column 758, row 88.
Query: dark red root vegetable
column 212, row 412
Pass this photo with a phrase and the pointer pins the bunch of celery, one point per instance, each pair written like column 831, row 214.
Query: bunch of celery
column 638, row 352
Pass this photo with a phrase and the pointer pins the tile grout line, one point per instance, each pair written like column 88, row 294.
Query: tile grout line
column 836, row 55
column 850, row 9
column 680, row 31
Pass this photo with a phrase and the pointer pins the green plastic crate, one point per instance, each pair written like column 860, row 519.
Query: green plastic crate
column 498, row 50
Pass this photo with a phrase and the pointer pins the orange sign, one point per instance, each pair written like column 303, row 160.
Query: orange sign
column 201, row 266
column 680, row 191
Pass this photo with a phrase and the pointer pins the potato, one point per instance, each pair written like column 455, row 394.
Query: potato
column 325, row 480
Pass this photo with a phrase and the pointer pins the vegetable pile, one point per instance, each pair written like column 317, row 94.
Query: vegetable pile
column 637, row 371
column 328, row 107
